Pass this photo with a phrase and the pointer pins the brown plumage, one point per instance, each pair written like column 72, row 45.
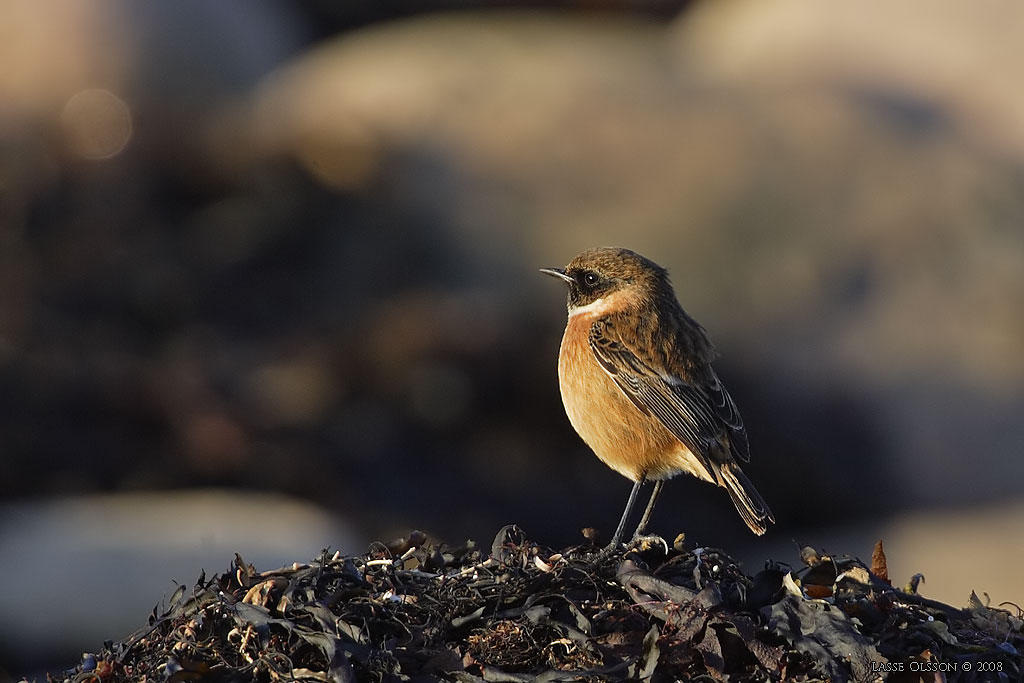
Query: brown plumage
column 637, row 383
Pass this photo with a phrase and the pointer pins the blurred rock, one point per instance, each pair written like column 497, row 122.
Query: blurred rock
column 90, row 568
column 59, row 51
column 929, row 62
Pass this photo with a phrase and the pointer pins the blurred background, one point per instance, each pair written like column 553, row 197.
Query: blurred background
column 268, row 280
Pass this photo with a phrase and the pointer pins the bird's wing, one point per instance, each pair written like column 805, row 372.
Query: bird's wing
column 699, row 412
column 726, row 410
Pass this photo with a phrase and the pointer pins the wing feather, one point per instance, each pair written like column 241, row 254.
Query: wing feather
column 698, row 412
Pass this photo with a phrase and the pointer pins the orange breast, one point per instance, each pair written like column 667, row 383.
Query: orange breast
column 630, row 442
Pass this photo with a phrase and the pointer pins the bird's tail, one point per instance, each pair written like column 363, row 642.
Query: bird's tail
column 749, row 503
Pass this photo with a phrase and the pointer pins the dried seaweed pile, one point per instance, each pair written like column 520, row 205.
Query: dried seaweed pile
column 519, row 612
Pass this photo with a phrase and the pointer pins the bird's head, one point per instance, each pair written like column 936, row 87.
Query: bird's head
column 611, row 277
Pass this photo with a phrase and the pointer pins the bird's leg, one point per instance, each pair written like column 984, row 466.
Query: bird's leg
column 617, row 538
column 649, row 509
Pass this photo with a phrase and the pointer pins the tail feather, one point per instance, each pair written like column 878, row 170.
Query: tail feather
column 749, row 503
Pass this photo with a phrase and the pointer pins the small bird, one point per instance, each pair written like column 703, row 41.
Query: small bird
column 637, row 384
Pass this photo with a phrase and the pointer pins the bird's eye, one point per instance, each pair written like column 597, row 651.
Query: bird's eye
column 590, row 279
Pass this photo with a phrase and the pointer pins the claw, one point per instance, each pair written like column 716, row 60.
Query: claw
column 647, row 542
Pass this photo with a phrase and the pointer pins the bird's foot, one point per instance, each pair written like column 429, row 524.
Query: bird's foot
column 645, row 542
column 606, row 552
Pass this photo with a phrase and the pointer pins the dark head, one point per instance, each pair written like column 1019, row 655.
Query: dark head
column 597, row 274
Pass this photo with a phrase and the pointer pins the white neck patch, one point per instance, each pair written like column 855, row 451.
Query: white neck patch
column 596, row 307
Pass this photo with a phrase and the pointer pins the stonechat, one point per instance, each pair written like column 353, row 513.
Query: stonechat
column 637, row 384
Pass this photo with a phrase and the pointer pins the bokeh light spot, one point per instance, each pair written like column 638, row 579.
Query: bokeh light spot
column 97, row 124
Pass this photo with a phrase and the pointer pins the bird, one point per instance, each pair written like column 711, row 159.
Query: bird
column 636, row 380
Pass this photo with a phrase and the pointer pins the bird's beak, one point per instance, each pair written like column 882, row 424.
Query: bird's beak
column 556, row 272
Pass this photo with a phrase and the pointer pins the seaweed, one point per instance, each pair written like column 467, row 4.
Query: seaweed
column 517, row 611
